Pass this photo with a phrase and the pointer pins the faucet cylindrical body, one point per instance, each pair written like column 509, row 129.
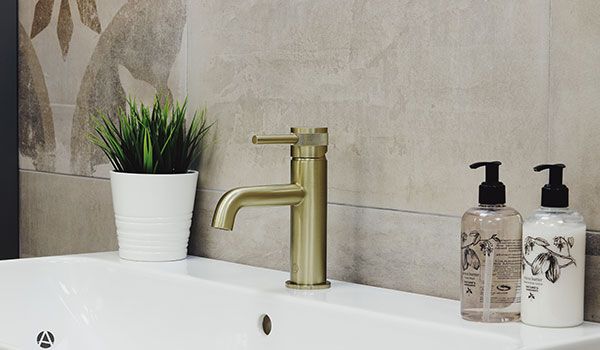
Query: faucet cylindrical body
column 308, row 245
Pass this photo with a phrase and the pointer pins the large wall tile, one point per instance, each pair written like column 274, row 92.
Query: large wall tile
column 412, row 92
column 65, row 215
column 575, row 102
column 90, row 56
column 410, row 252
column 592, row 288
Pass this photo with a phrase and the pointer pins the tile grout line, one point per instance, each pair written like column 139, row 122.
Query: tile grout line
column 360, row 206
column 392, row 210
column 63, row 105
column 187, row 45
column 549, row 89
column 62, row 174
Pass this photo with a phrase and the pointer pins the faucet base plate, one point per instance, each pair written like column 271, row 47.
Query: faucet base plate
column 294, row 285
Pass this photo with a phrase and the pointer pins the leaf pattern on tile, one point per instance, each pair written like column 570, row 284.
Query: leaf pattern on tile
column 143, row 39
column 41, row 16
column 65, row 27
column 89, row 14
column 36, row 123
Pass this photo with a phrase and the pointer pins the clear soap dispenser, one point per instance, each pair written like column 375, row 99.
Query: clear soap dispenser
column 491, row 254
column 553, row 258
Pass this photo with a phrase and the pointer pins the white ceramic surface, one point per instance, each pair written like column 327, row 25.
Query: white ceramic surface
column 98, row 301
column 153, row 214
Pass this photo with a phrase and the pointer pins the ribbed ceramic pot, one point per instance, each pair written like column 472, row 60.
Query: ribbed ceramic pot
column 153, row 214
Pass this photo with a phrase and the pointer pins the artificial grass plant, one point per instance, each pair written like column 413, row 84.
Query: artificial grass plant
column 150, row 139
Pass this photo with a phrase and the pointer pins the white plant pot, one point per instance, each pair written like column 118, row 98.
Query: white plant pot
column 153, row 214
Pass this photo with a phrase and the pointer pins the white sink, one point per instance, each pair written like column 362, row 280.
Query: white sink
column 97, row 301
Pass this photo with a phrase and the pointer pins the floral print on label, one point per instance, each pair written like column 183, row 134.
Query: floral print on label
column 549, row 261
column 469, row 256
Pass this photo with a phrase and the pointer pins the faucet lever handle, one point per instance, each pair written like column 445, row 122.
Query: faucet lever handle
column 306, row 142
column 275, row 139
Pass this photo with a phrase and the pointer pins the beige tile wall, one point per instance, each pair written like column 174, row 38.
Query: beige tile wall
column 412, row 93
column 63, row 214
column 575, row 101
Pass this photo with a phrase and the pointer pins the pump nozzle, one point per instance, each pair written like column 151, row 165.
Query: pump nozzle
column 554, row 194
column 491, row 191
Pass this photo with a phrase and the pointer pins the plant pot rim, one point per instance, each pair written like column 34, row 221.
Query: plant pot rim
column 119, row 173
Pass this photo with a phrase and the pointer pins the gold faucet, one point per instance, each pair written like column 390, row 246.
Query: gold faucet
column 307, row 196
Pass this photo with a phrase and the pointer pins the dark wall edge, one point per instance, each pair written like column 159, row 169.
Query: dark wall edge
column 9, row 170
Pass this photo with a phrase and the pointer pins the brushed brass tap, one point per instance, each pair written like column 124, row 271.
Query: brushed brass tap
column 307, row 196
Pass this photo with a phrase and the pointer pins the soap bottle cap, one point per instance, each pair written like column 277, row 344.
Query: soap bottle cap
column 554, row 194
column 491, row 191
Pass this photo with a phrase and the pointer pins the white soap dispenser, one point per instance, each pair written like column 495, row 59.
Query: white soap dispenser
column 553, row 258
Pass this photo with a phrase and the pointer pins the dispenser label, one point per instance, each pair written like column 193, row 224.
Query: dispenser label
column 549, row 260
column 503, row 256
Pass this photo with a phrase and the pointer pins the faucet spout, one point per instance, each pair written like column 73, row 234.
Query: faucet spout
column 234, row 200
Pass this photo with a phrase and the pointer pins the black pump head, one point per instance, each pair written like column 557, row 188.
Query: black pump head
column 554, row 194
column 491, row 191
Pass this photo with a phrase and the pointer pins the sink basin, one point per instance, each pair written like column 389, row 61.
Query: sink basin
column 98, row 301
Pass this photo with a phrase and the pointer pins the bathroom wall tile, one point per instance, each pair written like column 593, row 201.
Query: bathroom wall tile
column 37, row 148
column 593, row 243
column 99, row 52
column 592, row 277
column 574, row 103
column 405, row 251
column 592, row 288
column 61, row 119
column 58, row 75
column 412, row 92
column 63, row 73
column 138, row 49
column 65, row 215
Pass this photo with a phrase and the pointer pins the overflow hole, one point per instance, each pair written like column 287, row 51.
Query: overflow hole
column 266, row 324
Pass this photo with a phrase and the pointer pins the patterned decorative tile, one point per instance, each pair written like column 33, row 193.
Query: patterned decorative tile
column 80, row 52
column 146, row 42
column 37, row 145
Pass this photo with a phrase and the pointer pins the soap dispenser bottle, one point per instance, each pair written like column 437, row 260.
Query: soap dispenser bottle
column 553, row 258
column 491, row 254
